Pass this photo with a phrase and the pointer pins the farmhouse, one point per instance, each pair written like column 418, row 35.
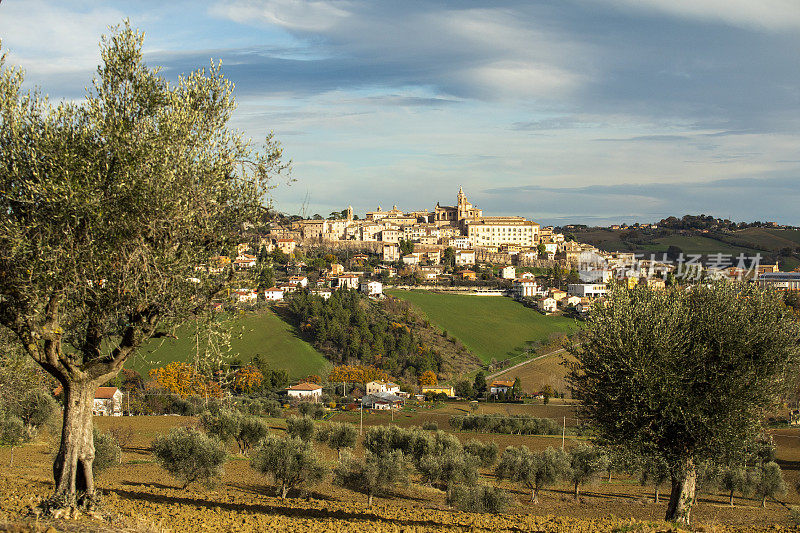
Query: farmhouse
column 305, row 392
column 372, row 288
column 440, row 389
column 382, row 400
column 500, row 386
column 273, row 294
column 107, row 402
column 382, row 386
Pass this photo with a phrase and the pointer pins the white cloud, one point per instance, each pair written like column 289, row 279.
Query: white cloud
column 291, row 14
column 779, row 15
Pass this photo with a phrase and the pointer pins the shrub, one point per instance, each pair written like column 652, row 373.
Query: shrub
column 338, row 435
column 313, row 410
column 509, row 425
column 485, row 452
column 478, row 499
column 189, row 455
column 430, row 426
column 372, row 475
column 289, row 461
column 300, row 427
column 13, row 433
column 107, row 452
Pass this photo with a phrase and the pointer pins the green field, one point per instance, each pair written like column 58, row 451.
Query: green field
column 490, row 327
column 253, row 333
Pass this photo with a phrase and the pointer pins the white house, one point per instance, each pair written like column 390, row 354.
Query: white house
column 465, row 257
column 348, row 281
column 372, row 288
column 459, row 243
column 299, row 280
column 525, row 288
column 273, row 294
column 548, row 305
column 571, row 301
column 499, row 386
column 509, row 272
column 382, row 386
column 245, row 261
column 597, row 275
column 245, row 295
column 591, row 290
column 107, row 402
column 322, row 292
column 412, row 259
column 391, row 253
column 305, row 392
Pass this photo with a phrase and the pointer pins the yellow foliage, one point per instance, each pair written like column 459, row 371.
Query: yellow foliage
column 181, row 379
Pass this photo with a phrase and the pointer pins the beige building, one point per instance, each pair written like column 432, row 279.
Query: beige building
column 456, row 215
column 498, row 231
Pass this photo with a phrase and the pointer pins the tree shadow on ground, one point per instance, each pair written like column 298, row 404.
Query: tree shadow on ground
column 364, row 514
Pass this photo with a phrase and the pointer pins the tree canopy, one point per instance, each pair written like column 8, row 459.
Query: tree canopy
column 684, row 374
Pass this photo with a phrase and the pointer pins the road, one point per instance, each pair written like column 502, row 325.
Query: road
column 525, row 363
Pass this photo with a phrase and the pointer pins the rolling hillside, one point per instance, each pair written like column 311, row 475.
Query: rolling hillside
column 490, row 327
column 253, row 333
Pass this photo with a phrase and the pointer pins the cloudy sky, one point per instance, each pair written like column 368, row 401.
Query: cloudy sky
column 563, row 111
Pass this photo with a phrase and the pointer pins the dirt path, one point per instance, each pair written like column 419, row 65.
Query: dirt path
column 509, row 369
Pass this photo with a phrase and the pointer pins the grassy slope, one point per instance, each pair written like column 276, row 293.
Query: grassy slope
column 490, row 327
column 695, row 244
column 548, row 370
column 254, row 333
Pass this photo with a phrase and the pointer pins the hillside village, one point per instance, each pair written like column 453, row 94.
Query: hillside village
column 458, row 248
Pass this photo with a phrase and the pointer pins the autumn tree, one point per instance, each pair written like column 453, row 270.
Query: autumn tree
column 247, row 379
column 427, row 379
column 109, row 204
column 183, row 379
column 684, row 374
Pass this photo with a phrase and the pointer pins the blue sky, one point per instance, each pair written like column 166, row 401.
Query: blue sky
column 563, row 111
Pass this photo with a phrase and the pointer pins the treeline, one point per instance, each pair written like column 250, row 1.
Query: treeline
column 348, row 328
column 507, row 425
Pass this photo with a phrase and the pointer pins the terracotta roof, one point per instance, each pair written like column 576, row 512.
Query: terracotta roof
column 273, row 289
column 105, row 393
column 305, row 386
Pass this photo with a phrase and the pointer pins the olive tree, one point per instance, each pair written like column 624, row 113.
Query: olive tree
column 684, row 374
column 289, row 461
column 585, row 462
column 109, row 204
column 374, row 474
column 337, row 435
column 533, row 469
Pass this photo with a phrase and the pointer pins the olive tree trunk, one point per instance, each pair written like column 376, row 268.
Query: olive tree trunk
column 682, row 495
column 72, row 467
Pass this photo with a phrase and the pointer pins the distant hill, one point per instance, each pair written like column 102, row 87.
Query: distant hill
column 774, row 244
column 261, row 332
column 490, row 327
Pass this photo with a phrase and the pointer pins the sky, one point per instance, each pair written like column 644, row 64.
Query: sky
column 563, row 111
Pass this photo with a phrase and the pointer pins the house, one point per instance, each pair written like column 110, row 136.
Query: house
column 389, row 271
column 382, row 386
column 299, row 280
column 548, row 305
column 245, row 296
column 465, row 257
column 431, row 272
column 467, row 275
column 348, row 281
column 439, row 389
column 245, row 261
column 273, row 294
column 501, row 386
column 785, row 281
column 557, row 294
column 591, row 290
column 412, row 259
column 286, row 246
column 391, row 253
column 305, row 392
column 509, row 272
column 322, row 292
column 525, row 287
column 337, row 269
column 372, row 288
column 571, row 301
column 382, row 401
column 107, row 402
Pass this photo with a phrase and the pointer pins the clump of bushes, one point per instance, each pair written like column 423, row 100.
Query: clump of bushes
column 478, row 499
column 107, row 452
column 430, row 426
column 507, row 425
column 190, row 455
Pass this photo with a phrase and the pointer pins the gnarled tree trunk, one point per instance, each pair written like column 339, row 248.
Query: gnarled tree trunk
column 72, row 468
column 682, row 495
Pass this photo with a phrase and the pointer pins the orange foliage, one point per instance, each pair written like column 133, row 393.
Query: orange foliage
column 181, row 379
column 247, row 379
column 356, row 374
column 313, row 378
column 428, row 379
